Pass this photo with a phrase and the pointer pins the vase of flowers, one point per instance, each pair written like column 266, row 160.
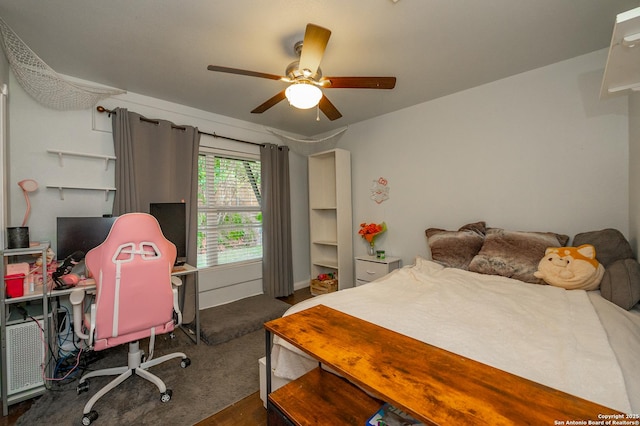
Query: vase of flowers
column 371, row 250
column 369, row 232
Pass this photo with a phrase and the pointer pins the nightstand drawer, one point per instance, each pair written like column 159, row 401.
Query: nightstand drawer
column 369, row 271
column 370, row 268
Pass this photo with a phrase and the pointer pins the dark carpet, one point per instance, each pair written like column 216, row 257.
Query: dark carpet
column 219, row 375
column 246, row 315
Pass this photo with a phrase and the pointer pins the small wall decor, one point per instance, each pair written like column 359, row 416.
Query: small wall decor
column 379, row 190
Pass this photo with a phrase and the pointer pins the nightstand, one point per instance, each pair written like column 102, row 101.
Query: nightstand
column 369, row 268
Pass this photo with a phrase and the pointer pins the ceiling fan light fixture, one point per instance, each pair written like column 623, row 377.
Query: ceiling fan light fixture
column 303, row 95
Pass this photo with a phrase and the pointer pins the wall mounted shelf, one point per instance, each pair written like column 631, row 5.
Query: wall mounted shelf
column 61, row 188
column 61, row 154
column 622, row 72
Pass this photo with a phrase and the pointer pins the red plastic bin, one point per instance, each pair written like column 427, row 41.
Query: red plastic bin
column 14, row 285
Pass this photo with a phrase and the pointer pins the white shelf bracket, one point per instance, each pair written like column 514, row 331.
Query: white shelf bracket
column 61, row 154
column 61, row 189
column 622, row 70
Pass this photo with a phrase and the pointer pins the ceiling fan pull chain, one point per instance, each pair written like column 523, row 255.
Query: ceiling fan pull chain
column 318, row 112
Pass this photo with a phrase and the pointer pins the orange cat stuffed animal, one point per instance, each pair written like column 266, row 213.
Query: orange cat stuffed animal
column 571, row 267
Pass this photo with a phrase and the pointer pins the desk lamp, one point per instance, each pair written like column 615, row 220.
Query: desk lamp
column 27, row 185
column 18, row 236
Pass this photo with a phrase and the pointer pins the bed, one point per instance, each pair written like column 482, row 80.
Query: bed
column 586, row 343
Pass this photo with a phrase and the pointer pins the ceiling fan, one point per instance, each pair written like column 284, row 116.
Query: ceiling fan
column 305, row 77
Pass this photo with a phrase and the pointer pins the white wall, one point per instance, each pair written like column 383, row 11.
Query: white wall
column 535, row 152
column 34, row 129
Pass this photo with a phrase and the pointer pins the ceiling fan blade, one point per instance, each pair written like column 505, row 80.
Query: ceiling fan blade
column 329, row 109
column 313, row 46
column 269, row 103
column 360, row 82
column 243, row 72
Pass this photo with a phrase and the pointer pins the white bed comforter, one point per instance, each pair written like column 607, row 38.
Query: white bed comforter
column 543, row 333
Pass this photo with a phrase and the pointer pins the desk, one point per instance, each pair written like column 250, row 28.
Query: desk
column 185, row 270
column 88, row 284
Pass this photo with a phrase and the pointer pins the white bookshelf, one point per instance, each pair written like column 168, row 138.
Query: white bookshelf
column 330, row 223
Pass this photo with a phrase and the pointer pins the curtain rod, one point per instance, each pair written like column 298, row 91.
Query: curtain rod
column 100, row 108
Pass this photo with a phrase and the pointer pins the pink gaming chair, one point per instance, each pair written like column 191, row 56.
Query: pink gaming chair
column 135, row 299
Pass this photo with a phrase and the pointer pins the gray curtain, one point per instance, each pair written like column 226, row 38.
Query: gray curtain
column 157, row 162
column 277, row 268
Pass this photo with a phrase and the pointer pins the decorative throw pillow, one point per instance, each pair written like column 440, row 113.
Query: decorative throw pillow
column 514, row 254
column 621, row 283
column 455, row 249
column 610, row 245
column 571, row 268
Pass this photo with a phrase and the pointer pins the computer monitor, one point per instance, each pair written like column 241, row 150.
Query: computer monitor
column 172, row 218
column 80, row 234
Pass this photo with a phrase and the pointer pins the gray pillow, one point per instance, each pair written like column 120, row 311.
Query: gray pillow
column 621, row 283
column 610, row 245
column 455, row 249
column 514, row 254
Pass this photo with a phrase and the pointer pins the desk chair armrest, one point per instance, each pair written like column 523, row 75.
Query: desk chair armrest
column 175, row 283
column 176, row 308
column 77, row 300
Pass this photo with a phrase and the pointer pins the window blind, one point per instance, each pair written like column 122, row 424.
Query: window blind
column 229, row 213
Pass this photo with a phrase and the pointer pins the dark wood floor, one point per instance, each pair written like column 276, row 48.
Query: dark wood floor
column 15, row 411
column 298, row 296
column 249, row 411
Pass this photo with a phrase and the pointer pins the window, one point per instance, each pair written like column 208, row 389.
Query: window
column 229, row 214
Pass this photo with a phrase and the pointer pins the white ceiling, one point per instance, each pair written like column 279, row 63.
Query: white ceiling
column 161, row 48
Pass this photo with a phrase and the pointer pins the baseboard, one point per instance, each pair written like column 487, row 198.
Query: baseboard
column 222, row 296
column 301, row 284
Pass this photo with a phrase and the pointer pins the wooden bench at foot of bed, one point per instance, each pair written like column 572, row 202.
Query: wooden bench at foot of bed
column 434, row 385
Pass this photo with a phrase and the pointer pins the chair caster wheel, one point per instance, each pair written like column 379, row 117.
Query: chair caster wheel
column 166, row 396
column 82, row 387
column 89, row 417
column 185, row 363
